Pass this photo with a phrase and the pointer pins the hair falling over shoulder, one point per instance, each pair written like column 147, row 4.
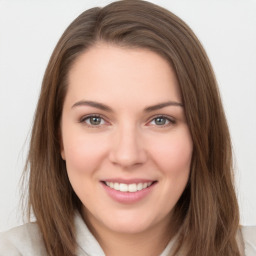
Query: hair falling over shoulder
column 207, row 212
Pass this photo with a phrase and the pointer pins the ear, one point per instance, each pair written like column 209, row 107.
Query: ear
column 62, row 151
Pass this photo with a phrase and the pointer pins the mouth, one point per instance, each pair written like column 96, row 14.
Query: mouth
column 128, row 191
column 131, row 188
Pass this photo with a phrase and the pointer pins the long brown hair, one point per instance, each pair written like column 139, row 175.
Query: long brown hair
column 207, row 212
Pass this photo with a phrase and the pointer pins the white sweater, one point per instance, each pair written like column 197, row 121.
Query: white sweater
column 27, row 241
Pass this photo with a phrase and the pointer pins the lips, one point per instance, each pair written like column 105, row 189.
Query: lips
column 128, row 191
column 134, row 187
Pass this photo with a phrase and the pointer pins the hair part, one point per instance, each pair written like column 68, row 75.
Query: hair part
column 207, row 212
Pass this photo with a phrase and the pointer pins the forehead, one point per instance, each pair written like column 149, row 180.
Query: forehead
column 112, row 72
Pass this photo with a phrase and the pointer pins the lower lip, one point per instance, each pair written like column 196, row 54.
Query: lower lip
column 128, row 197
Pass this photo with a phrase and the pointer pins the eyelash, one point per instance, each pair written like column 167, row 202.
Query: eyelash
column 167, row 118
column 170, row 120
column 84, row 118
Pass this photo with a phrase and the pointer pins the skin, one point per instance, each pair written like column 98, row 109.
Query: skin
column 127, row 142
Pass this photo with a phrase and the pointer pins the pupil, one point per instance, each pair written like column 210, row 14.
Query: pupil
column 95, row 120
column 160, row 121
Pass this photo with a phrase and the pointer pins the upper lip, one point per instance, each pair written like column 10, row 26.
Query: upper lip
column 128, row 181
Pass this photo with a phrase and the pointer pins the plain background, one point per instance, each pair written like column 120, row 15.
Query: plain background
column 29, row 31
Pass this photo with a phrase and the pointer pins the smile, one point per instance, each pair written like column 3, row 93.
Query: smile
column 128, row 191
column 128, row 187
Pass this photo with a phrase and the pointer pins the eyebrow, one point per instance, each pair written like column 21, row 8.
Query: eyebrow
column 108, row 109
column 92, row 104
column 163, row 105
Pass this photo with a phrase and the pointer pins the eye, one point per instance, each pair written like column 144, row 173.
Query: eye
column 162, row 121
column 93, row 120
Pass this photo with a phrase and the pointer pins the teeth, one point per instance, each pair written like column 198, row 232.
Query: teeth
column 139, row 186
column 132, row 188
column 128, row 187
column 123, row 187
column 116, row 186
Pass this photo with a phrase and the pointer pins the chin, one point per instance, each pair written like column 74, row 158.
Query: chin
column 133, row 227
column 134, row 222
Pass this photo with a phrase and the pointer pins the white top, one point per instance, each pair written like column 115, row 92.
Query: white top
column 26, row 240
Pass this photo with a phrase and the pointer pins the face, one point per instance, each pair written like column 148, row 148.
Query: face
column 125, row 139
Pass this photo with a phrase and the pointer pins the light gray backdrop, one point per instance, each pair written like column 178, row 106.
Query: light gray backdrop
column 29, row 30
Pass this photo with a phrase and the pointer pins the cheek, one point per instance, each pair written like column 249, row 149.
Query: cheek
column 173, row 153
column 82, row 153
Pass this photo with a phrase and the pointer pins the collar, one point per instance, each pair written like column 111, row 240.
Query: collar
column 89, row 246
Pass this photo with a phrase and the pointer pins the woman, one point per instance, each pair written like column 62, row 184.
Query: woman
column 130, row 151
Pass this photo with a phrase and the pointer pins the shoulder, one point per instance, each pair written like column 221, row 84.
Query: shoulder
column 249, row 239
column 246, row 238
column 22, row 240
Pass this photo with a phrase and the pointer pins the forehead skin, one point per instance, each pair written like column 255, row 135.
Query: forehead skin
column 146, row 71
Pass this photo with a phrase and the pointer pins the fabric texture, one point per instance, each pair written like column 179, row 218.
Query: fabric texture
column 26, row 240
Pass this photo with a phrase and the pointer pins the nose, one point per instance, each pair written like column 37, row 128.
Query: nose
column 127, row 149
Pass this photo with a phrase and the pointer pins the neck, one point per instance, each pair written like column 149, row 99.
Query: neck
column 149, row 242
